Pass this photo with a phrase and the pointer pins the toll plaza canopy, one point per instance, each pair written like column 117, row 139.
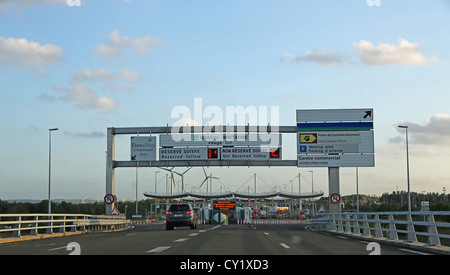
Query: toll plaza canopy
column 234, row 194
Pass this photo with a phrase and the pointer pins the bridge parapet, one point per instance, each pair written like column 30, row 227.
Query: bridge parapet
column 18, row 227
column 425, row 230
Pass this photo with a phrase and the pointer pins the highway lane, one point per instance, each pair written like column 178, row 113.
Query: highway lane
column 153, row 239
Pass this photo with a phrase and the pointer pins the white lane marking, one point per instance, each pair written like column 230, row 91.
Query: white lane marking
column 284, row 245
column 131, row 234
column 202, row 231
column 265, row 233
column 158, row 249
column 57, row 248
column 181, row 240
column 214, row 228
column 413, row 251
column 193, row 234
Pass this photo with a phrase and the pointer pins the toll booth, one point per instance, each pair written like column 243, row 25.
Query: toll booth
column 243, row 215
column 205, row 215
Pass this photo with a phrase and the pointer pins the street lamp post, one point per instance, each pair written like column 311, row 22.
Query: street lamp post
column 50, row 166
column 312, row 189
column 407, row 166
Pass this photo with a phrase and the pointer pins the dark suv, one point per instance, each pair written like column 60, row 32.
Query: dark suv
column 181, row 214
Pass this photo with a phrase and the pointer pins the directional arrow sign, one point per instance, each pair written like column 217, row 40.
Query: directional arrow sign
column 368, row 114
column 334, row 115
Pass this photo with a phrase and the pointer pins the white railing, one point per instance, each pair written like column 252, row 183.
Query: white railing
column 20, row 225
column 394, row 227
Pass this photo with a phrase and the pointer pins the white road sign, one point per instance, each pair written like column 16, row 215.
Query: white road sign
column 250, row 153
column 143, row 148
column 220, row 139
column 330, row 142
column 184, row 153
column 335, row 138
column 367, row 160
column 329, row 115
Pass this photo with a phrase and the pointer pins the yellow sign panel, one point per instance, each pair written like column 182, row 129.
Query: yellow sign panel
column 308, row 138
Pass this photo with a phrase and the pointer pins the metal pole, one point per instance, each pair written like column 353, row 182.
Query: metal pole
column 50, row 167
column 110, row 173
column 299, row 192
column 254, row 177
column 156, row 180
column 357, row 191
column 312, row 188
column 137, row 168
column 407, row 166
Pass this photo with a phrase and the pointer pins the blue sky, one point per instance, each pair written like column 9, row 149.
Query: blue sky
column 119, row 63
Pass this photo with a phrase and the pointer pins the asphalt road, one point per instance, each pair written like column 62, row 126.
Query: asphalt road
column 153, row 239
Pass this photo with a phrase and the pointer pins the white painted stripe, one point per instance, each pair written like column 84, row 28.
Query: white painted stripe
column 214, row 228
column 181, row 240
column 193, row 234
column 265, row 233
column 57, row 248
column 413, row 251
column 284, row 245
column 159, row 249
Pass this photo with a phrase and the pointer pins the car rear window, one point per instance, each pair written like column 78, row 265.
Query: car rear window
column 179, row 207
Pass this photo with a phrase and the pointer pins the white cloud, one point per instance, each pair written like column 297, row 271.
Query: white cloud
column 93, row 134
column 8, row 4
column 95, row 75
column 321, row 57
column 384, row 54
column 116, row 43
column 129, row 75
column 106, row 50
column 433, row 131
column 86, row 98
column 19, row 52
column 286, row 57
column 102, row 75
column 387, row 54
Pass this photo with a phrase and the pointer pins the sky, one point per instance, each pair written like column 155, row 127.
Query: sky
column 84, row 66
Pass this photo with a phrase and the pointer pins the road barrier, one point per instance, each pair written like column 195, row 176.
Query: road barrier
column 418, row 230
column 17, row 227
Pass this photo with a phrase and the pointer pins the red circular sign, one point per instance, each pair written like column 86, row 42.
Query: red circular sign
column 335, row 198
column 109, row 199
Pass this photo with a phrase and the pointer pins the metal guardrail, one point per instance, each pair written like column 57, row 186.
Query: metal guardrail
column 20, row 225
column 387, row 226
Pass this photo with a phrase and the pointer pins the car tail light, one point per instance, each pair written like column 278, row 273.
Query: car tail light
column 169, row 213
column 189, row 212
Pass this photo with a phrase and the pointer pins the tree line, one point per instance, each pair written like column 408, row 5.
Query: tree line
column 397, row 201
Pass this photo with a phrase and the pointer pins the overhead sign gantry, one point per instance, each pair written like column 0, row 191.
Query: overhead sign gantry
column 325, row 138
